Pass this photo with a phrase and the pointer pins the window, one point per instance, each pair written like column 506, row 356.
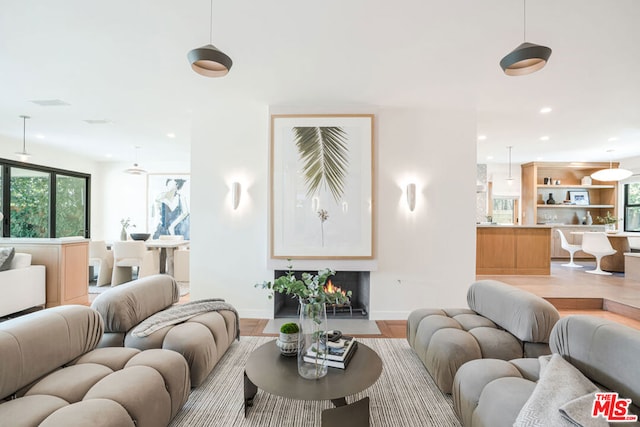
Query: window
column 505, row 210
column 632, row 207
column 39, row 201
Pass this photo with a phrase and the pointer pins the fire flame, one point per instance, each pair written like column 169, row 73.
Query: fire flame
column 330, row 288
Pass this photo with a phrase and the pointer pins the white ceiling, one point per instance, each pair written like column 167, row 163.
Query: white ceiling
column 125, row 61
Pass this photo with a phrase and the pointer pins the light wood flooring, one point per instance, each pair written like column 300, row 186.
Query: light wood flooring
column 570, row 290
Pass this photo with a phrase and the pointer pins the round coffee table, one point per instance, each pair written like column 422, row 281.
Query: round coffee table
column 268, row 370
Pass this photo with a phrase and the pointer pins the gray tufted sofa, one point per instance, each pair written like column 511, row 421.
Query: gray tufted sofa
column 492, row 392
column 52, row 375
column 202, row 339
column 502, row 322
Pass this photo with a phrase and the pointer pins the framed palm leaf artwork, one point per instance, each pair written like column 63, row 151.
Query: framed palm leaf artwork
column 321, row 186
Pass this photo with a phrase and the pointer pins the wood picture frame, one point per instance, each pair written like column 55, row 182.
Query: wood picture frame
column 321, row 186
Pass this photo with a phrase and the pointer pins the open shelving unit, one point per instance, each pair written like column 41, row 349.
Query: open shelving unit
column 562, row 215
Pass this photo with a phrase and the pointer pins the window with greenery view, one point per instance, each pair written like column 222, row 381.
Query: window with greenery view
column 43, row 201
column 632, row 207
column 504, row 210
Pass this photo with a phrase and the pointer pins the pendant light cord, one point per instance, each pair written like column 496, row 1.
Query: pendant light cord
column 510, row 161
column 524, row 18
column 24, row 134
column 211, row 23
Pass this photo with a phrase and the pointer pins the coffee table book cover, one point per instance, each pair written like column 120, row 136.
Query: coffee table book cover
column 338, row 353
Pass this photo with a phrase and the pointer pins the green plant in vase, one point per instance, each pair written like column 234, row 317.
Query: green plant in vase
column 609, row 221
column 312, row 295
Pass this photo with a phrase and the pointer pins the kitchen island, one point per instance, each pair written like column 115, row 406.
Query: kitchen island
column 513, row 249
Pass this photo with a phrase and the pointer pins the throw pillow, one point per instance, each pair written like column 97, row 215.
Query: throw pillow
column 559, row 384
column 6, row 255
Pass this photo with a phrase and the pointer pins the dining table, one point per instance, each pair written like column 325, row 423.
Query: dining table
column 166, row 248
column 620, row 242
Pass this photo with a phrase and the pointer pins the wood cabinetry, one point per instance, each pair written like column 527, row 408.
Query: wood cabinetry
column 513, row 250
column 66, row 261
column 564, row 178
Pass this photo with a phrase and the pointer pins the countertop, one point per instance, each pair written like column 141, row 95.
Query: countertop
column 42, row 240
column 481, row 225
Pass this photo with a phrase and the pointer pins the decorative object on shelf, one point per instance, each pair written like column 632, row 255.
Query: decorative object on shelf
column 136, row 169
column 208, row 60
column 313, row 296
column 579, row 197
column 609, row 222
column 586, row 180
column 125, row 223
column 611, row 174
column 589, row 219
column 548, row 180
column 287, row 342
column 551, row 200
column 23, row 155
column 526, row 58
column 557, row 182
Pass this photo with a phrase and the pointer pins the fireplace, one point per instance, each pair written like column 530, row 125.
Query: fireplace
column 355, row 281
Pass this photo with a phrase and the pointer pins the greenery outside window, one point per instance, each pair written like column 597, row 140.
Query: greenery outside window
column 39, row 201
column 505, row 210
column 632, row 206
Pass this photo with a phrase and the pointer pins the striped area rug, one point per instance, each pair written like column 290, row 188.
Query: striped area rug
column 404, row 396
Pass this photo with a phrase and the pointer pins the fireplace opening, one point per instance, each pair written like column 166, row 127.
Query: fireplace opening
column 355, row 281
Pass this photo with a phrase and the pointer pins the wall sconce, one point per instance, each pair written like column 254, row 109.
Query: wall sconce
column 236, row 191
column 411, row 196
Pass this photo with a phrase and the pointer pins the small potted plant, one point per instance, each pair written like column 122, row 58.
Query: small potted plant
column 608, row 221
column 288, row 340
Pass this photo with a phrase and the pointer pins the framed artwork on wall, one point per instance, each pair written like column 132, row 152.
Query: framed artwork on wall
column 321, row 189
column 168, row 201
column 579, row 197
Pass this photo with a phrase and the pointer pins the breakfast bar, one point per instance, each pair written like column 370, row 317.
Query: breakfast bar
column 513, row 249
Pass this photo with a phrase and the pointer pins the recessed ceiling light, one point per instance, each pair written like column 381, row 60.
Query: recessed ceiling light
column 613, row 138
column 489, row 157
column 544, row 138
column 171, row 135
column 482, row 137
column 545, row 110
column 40, row 136
column 97, row 121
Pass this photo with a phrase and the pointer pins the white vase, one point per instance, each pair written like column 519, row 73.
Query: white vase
column 312, row 336
column 288, row 344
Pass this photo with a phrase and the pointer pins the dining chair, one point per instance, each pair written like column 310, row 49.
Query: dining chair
column 131, row 254
column 598, row 245
column 181, row 264
column 572, row 249
column 634, row 244
column 101, row 258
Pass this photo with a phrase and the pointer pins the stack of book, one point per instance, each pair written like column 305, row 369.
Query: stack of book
column 339, row 353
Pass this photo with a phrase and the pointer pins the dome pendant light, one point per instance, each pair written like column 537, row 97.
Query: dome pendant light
column 23, row 155
column 136, row 169
column 526, row 58
column 208, row 60
column 611, row 174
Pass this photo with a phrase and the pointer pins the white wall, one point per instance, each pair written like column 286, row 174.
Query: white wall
column 424, row 259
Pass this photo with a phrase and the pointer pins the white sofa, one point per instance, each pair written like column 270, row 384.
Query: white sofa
column 22, row 286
